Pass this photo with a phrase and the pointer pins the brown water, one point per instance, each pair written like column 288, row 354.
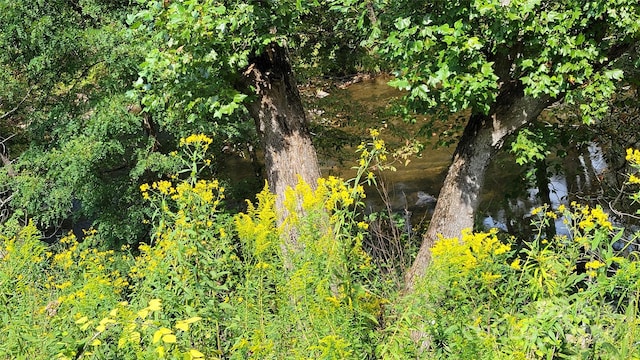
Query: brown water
column 507, row 198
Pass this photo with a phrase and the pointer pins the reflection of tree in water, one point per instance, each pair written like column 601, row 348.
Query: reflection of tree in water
column 582, row 174
column 579, row 175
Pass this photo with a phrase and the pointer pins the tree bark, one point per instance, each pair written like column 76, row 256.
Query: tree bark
column 482, row 138
column 281, row 123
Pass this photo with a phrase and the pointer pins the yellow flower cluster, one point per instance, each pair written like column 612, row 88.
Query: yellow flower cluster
column 259, row 222
column 584, row 217
column 373, row 152
column 302, row 196
column 207, row 191
column 633, row 156
column 590, row 217
column 136, row 325
column 338, row 193
column 95, row 266
column 196, row 139
column 592, row 266
column 489, row 278
column 465, row 254
column 515, row 264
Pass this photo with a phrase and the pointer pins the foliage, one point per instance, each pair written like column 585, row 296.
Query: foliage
column 529, row 147
column 453, row 56
column 71, row 62
column 208, row 285
column 205, row 284
column 102, row 90
column 489, row 297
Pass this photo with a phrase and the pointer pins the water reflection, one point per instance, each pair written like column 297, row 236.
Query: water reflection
column 507, row 198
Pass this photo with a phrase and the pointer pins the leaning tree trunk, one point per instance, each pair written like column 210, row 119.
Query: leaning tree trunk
column 459, row 197
column 281, row 122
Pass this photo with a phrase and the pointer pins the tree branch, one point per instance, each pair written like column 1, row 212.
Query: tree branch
column 8, row 113
column 4, row 156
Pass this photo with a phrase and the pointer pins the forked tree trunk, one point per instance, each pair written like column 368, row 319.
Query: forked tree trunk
column 281, row 122
column 459, row 197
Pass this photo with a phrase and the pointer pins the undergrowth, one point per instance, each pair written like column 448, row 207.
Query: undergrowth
column 209, row 284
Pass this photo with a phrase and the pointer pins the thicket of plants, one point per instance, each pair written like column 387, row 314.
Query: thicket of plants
column 210, row 284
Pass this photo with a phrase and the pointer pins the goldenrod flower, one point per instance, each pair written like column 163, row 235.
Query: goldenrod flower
column 593, row 265
column 196, row 138
column 488, row 277
column 633, row 156
column 515, row 264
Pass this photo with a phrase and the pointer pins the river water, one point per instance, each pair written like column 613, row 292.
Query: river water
column 507, row 198
column 341, row 119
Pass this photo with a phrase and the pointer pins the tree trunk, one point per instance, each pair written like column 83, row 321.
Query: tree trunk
column 281, row 122
column 459, row 197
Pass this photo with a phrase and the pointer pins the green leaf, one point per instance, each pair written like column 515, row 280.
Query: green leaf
column 402, row 23
column 400, row 83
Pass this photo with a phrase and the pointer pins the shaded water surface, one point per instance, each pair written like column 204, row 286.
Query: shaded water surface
column 507, row 198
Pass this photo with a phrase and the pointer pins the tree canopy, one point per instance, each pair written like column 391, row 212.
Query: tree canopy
column 461, row 55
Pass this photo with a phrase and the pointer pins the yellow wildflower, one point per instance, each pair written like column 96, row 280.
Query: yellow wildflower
column 515, row 264
column 144, row 187
column 196, row 138
column 489, row 278
column 163, row 186
column 501, row 249
column 593, row 265
column 633, row 156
